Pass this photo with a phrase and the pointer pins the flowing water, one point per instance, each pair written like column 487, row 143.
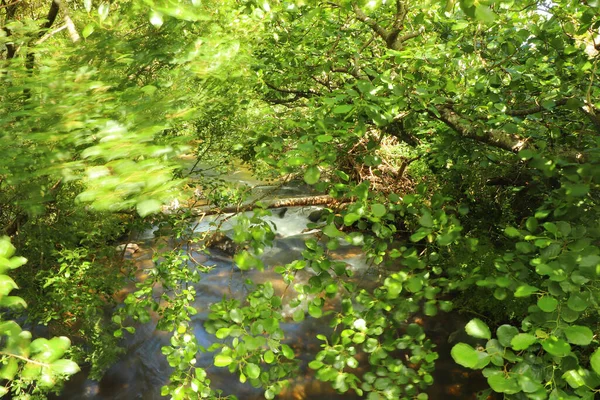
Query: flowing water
column 142, row 370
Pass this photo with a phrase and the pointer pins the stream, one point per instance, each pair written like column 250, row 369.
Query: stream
column 142, row 369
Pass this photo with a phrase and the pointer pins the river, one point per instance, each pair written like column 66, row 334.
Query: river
column 142, row 370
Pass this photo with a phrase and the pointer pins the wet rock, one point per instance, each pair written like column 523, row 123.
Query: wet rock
column 220, row 241
column 129, row 246
column 280, row 212
column 318, row 215
column 128, row 249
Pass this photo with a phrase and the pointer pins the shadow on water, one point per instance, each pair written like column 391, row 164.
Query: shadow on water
column 142, row 370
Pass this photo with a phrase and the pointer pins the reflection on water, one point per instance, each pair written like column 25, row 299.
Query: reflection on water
column 142, row 371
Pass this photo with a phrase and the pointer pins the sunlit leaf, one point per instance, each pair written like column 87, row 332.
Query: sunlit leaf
column 222, row 360
column 156, row 19
column 478, row 329
column 66, row 367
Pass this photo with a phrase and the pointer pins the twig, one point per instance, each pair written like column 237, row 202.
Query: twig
column 534, row 109
column 28, row 360
column 50, row 34
column 71, row 28
column 10, row 4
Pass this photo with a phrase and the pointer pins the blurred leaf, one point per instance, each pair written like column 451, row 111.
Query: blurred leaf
column 312, row 175
column 148, row 207
column 66, row 367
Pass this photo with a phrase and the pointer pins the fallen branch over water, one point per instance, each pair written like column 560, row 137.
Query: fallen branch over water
column 321, row 200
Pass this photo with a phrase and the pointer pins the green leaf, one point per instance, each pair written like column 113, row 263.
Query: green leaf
column 287, row 351
column 66, row 367
column 103, row 10
column 547, row 303
column 269, row 357
column 484, row 14
column 359, row 337
column 315, row 311
column 590, row 261
column 496, row 351
column 324, row 138
column 59, row 345
column 312, row 175
column 505, row 333
column 350, row 218
column 245, row 260
column 478, row 329
column 531, row 224
column 156, row 19
column 222, row 360
column 298, row 315
column 503, row 384
column 577, row 302
column 414, row 284
column 550, row 227
column 512, row 232
column 6, row 285
column 579, row 335
column 525, row 290
column 18, row 261
column 573, row 378
column 9, row 370
column 522, row 341
column 460, row 25
column 252, row 370
column 88, row 30
column 426, row 219
column 556, row 346
column 378, row 210
column 577, row 190
column 342, row 109
column 7, row 250
column 595, row 361
column 147, row 207
column 222, row 333
column 331, row 231
column 527, row 384
column 342, row 175
column 420, row 234
column 468, row 357
column 236, row 315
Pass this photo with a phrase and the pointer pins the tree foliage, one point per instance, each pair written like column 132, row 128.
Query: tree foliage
column 458, row 138
column 30, row 366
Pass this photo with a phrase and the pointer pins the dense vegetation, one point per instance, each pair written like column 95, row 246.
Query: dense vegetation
column 457, row 140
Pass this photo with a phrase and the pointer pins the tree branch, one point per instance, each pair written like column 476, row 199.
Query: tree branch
column 401, row 12
column 299, row 93
column 589, row 112
column 52, row 13
column 397, row 45
column 351, row 71
column 3, row 5
column 11, row 9
column 378, row 29
column 533, row 110
column 50, row 18
column 592, row 115
column 492, row 137
column 69, row 23
column 51, row 33
column 391, row 37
